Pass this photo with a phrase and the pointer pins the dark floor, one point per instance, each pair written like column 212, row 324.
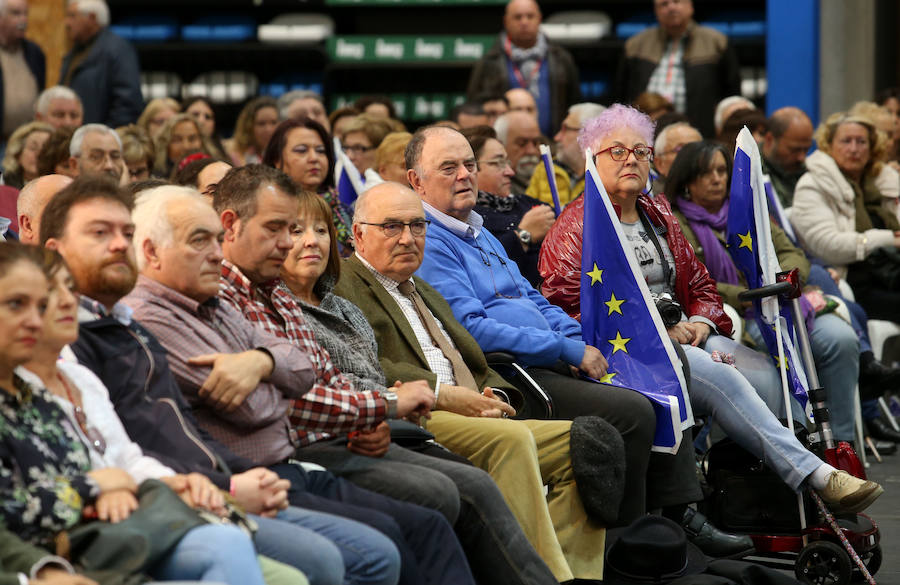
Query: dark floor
column 886, row 512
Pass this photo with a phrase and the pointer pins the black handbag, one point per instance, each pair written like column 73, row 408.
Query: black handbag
column 748, row 497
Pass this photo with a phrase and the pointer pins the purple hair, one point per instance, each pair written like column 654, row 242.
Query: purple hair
column 614, row 118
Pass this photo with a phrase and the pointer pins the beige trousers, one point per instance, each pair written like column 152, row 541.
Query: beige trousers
column 522, row 456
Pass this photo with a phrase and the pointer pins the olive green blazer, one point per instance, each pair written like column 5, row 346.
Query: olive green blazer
column 16, row 556
column 399, row 352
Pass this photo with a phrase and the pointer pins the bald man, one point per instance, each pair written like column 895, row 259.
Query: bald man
column 785, row 145
column 523, row 58
column 666, row 147
column 32, row 200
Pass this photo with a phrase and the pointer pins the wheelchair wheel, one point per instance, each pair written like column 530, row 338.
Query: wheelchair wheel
column 823, row 563
column 872, row 561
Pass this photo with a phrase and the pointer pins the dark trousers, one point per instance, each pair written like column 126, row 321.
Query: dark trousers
column 652, row 480
column 429, row 550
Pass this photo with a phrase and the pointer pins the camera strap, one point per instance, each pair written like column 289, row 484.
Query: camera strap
column 654, row 237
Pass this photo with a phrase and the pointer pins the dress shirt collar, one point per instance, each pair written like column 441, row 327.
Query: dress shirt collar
column 158, row 290
column 91, row 310
column 388, row 283
column 464, row 229
column 233, row 278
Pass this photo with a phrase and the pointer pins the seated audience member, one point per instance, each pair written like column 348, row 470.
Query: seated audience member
column 669, row 141
column 885, row 123
column 202, row 174
column 653, row 104
column 54, row 156
column 789, row 136
column 568, row 167
column 96, row 149
column 728, row 106
column 137, row 151
column 85, row 402
column 302, row 149
column 753, row 119
column 520, row 135
column 699, row 183
column 389, row 161
column 378, row 279
column 48, row 480
column 518, row 221
column 31, row 203
column 469, row 115
column 303, row 103
column 249, row 200
column 376, row 105
column 202, row 110
column 361, row 137
column 620, row 137
column 179, row 137
column 890, row 99
column 133, row 365
column 60, row 107
column 255, row 125
column 22, row 149
column 845, row 210
column 155, row 115
column 503, row 312
column 339, row 119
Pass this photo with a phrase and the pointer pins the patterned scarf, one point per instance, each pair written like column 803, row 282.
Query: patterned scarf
column 495, row 202
column 528, row 60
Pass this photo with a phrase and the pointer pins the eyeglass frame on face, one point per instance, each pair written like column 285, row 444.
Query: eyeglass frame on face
column 356, row 148
column 497, row 163
column 390, row 226
column 628, row 152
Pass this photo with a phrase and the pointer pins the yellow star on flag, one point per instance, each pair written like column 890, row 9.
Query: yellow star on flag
column 614, row 304
column 608, row 378
column 746, row 241
column 782, row 362
column 619, row 342
column 596, row 275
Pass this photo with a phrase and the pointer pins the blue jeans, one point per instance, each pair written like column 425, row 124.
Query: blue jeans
column 835, row 349
column 721, row 391
column 859, row 320
column 212, row 553
column 328, row 549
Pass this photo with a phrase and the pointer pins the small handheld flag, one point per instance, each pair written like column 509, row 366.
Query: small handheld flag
column 617, row 318
column 347, row 179
column 551, row 178
column 777, row 210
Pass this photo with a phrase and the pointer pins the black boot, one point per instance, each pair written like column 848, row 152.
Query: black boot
column 875, row 378
column 712, row 541
column 878, row 429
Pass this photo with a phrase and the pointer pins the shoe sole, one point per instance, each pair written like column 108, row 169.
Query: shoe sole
column 855, row 507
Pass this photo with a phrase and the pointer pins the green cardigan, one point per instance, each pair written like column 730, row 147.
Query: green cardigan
column 16, row 556
column 789, row 257
column 399, row 351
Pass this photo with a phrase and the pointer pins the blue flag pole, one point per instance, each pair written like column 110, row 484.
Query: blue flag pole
column 551, row 178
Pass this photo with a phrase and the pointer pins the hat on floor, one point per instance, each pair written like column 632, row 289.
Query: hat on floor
column 598, row 463
column 652, row 549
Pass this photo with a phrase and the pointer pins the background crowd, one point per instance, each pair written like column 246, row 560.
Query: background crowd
column 214, row 317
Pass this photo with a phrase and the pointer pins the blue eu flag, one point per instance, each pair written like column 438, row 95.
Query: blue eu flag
column 749, row 241
column 619, row 318
column 347, row 179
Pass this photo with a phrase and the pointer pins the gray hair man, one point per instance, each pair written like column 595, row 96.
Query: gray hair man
column 102, row 68
column 60, row 107
column 568, row 167
column 96, row 149
column 521, row 136
column 22, row 67
column 668, row 143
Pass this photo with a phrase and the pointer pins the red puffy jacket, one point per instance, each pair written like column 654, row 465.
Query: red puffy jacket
column 560, row 263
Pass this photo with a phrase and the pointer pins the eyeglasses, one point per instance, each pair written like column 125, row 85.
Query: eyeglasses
column 392, row 229
column 497, row 163
column 620, row 153
column 486, row 260
column 93, row 435
column 357, row 148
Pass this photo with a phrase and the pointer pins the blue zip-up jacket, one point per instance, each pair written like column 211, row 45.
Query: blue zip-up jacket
column 494, row 302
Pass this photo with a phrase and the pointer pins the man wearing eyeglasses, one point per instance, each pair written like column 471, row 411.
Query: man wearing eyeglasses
column 568, row 167
column 666, row 147
column 503, row 312
column 96, row 149
column 519, row 133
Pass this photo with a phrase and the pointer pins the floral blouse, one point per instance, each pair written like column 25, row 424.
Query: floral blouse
column 342, row 217
column 44, row 485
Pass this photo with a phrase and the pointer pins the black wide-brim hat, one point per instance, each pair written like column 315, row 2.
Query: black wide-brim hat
column 653, row 550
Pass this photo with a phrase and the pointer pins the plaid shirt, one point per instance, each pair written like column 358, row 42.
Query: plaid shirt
column 333, row 406
column 668, row 77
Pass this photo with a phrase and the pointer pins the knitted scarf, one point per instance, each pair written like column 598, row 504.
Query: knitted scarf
column 718, row 262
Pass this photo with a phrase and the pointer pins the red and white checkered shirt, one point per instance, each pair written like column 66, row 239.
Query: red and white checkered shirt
column 333, row 407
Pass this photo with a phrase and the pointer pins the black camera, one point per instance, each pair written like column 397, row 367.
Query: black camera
column 669, row 309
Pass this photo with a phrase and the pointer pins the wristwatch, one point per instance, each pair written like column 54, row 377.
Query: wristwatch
column 524, row 236
column 390, row 399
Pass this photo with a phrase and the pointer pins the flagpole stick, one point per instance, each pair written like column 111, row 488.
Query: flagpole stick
column 787, row 408
column 551, row 178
